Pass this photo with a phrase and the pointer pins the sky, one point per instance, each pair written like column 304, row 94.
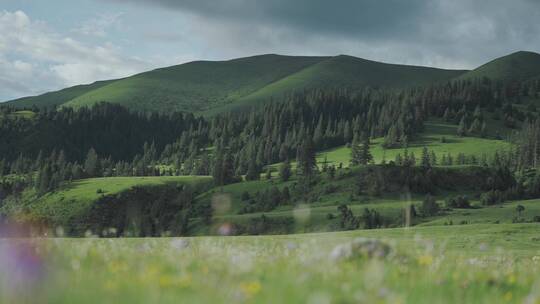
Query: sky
column 47, row 45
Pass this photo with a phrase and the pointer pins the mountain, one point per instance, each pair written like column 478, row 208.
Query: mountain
column 196, row 86
column 59, row 97
column 210, row 87
column 516, row 66
column 215, row 86
column 352, row 73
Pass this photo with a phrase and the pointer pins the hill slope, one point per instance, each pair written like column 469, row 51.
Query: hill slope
column 58, row 97
column 351, row 73
column 196, row 86
column 516, row 66
column 216, row 85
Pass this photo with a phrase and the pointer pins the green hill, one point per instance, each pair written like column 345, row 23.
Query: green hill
column 59, row 97
column 214, row 86
column 196, row 86
column 210, row 87
column 352, row 73
column 75, row 205
column 517, row 66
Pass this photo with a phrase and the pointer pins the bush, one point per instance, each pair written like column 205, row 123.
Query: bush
column 328, row 189
column 460, row 201
column 245, row 196
column 429, row 206
column 492, row 197
column 536, row 219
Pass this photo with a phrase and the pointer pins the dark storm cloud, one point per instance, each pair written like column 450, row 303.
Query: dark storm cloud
column 451, row 33
column 368, row 18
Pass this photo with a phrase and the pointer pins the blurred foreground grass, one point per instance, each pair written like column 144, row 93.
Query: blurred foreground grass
column 447, row 264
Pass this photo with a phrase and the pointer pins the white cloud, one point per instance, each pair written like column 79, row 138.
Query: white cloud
column 99, row 25
column 34, row 58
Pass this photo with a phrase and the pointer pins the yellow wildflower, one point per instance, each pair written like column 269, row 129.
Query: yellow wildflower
column 425, row 260
column 251, row 288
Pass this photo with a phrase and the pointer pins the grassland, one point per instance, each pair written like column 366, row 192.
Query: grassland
column 504, row 213
column 74, row 198
column 211, row 87
column 346, row 72
column 516, row 66
column 431, row 138
column 58, row 97
column 196, row 86
column 451, row 264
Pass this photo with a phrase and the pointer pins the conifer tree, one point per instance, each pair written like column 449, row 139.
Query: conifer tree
column 285, row 170
column 91, row 164
column 356, row 152
column 462, row 127
column 425, row 161
column 307, row 163
column 365, row 154
column 253, row 172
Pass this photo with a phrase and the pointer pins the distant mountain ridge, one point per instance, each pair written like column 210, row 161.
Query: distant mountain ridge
column 210, row 87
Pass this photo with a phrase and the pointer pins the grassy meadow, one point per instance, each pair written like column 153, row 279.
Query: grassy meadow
column 451, row 264
column 431, row 139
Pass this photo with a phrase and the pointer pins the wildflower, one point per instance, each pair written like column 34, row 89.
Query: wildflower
column 250, row 288
column 425, row 260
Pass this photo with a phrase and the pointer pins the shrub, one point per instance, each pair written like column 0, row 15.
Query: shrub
column 492, row 197
column 460, row 201
column 328, row 189
column 429, row 206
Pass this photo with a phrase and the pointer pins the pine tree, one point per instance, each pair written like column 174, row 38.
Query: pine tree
column 356, row 152
column 285, row 170
column 307, row 163
column 483, row 130
column 399, row 159
column 433, row 158
column 365, row 154
column 462, row 128
column 425, row 162
column 253, row 172
column 44, row 179
column 217, row 170
column 391, row 139
column 476, row 127
column 228, row 169
column 91, row 164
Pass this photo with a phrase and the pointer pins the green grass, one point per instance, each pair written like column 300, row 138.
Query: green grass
column 503, row 213
column 431, row 139
column 208, row 87
column 58, row 97
column 349, row 72
column 212, row 87
column 196, row 86
column 451, row 264
column 516, row 66
column 74, row 198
